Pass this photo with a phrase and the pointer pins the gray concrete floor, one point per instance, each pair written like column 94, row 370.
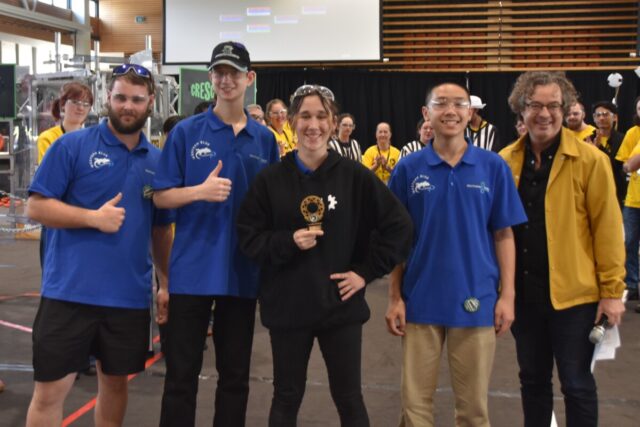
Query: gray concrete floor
column 618, row 380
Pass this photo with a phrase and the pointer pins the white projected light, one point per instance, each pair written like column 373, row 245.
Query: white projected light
column 273, row 31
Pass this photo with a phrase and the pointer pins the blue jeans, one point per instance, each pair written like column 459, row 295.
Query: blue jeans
column 543, row 334
column 631, row 218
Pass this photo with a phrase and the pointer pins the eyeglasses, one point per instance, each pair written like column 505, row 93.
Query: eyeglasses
column 136, row 99
column 282, row 112
column 139, row 70
column 536, row 107
column 602, row 114
column 257, row 117
column 80, row 104
column 348, row 125
column 305, row 90
column 443, row 104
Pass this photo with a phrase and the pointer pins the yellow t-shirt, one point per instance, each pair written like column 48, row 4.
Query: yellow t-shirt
column 286, row 140
column 584, row 134
column 630, row 147
column 392, row 155
column 46, row 138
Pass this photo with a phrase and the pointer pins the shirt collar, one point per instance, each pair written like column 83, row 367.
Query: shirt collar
column 112, row 140
column 216, row 124
column 470, row 155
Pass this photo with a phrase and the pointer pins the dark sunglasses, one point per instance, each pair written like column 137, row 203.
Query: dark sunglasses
column 305, row 90
column 123, row 69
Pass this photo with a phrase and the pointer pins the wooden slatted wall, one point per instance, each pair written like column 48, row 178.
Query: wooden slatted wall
column 509, row 35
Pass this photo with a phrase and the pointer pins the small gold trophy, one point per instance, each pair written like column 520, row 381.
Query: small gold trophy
column 312, row 208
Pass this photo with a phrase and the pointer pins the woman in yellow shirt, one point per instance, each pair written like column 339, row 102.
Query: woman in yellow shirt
column 382, row 157
column 71, row 109
column 279, row 124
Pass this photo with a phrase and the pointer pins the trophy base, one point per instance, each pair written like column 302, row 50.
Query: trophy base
column 315, row 226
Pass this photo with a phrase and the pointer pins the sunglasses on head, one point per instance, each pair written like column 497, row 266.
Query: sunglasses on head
column 305, row 90
column 139, row 70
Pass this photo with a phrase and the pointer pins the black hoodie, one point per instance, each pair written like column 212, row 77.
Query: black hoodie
column 366, row 229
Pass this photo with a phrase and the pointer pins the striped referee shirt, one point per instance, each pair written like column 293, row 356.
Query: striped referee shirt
column 350, row 150
column 411, row 147
column 485, row 137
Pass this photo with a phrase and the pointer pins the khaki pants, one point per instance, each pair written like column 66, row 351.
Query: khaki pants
column 470, row 352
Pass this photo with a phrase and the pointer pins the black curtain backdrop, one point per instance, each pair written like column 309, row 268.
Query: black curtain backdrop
column 397, row 98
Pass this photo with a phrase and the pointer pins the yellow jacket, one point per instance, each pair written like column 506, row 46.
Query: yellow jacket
column 583, row 220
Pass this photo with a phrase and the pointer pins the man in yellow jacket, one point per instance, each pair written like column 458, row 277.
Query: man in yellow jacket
column 569, row 256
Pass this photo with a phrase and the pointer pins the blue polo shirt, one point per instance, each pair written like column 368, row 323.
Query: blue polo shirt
column 455, row 211
column 86, row 168
column 205, row 259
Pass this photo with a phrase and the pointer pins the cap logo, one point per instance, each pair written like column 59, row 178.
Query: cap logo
column 227, row 51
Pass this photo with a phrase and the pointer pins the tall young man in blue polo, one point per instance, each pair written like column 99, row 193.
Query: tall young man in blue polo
column 458, row 284
column 205, row 170
column 93, row 192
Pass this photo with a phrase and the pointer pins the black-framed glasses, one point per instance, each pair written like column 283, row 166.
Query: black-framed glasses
column 305, row 90
column 602, row 114
column 139, row 70
column 536, row 107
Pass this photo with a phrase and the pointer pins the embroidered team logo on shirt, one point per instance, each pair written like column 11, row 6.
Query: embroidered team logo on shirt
column 484, row 189
column 421, row 183
column 201, row 150
column 99, row 159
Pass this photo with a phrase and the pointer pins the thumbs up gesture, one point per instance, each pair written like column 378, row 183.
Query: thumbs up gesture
column 214, row 188
column 109, row 217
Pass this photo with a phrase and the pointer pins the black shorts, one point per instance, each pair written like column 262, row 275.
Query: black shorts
column 66, row 333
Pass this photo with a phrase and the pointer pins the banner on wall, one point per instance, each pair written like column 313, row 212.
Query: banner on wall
column 195, row 87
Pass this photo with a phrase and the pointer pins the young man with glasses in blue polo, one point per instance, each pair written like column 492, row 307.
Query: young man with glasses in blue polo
column 93, row 192
column 205, row 170
column 457, row 285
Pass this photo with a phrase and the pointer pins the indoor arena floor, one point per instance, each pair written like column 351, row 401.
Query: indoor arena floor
column 618, row 381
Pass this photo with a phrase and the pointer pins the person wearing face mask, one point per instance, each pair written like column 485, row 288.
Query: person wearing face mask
column 321, row 227
column 342, row 143
column 382, row 157
column 425, row 133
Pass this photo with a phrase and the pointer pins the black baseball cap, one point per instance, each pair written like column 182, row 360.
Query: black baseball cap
column 605, row 104
column 231, row 53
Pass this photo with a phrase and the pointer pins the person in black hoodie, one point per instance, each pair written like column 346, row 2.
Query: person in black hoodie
column 321, row 227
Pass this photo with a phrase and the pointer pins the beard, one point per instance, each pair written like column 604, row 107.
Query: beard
column 127, row 129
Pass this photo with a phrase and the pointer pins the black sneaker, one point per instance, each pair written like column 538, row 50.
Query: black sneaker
column 637, row 309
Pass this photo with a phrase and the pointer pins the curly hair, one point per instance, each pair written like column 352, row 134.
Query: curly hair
column 527, row 82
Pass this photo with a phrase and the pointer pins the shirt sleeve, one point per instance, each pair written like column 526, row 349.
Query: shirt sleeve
column 629, row 142
column 507, row 209
column 170, row 172
column 53, row 176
